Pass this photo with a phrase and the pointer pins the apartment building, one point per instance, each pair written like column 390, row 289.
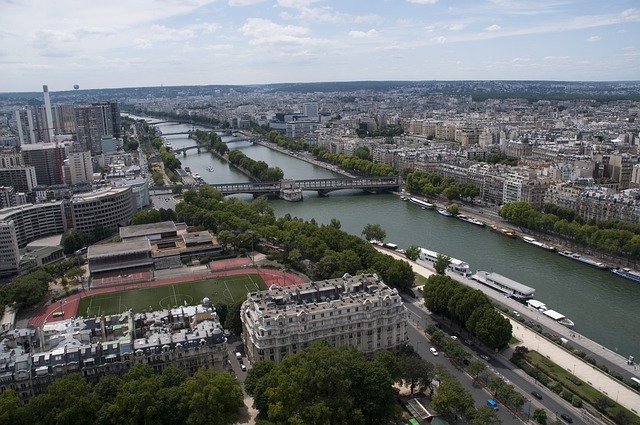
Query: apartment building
column 187, row 337
column 352, row 311
column 110, row 208
column 48, row 159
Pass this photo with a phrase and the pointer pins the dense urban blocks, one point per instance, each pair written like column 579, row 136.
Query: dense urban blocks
column 219, row 290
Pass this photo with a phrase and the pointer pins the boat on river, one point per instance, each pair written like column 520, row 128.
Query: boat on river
column 444, row 212
column 455, row 265
column 505, row 232
column 557, row 316
column 421, row 203
column 582, row 259
column 507, row 286
column 470, row 220
column 532, row 241
column 627, row 274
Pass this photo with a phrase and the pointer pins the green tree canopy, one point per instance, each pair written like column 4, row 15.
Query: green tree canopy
column 374, row 232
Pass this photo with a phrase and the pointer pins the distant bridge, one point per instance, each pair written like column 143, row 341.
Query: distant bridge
column 206, row 148
column 176, row 133
column 292, row 189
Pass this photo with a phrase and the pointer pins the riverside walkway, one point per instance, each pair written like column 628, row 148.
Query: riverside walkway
column 583, row 370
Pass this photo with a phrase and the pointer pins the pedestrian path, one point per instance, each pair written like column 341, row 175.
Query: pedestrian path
column 578, row 367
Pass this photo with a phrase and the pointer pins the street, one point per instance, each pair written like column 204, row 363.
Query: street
column 419, row 319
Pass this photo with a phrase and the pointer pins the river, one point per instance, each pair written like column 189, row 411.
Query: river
column 602, row 305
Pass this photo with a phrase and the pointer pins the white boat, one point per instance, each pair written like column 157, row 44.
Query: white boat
column 505, row 285
column 585, row 260
column 421, row 203
column 559, row 317
column 390, row 245
column 470, row 220
column 455, row 265
column 627, row 274
column 444, row 212
column 532, row 241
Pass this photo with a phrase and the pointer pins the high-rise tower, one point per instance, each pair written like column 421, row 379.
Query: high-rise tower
column 47, row 106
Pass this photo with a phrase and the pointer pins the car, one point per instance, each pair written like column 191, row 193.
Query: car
column 466, row 362
column 485, row 357
column 536, row 395
column 568, row 419
column 238, row 355
column 468, row 342
column 433, row 351
column 243, row 367
column 453, row 337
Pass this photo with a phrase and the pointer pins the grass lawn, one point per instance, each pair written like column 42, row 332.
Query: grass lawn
column 226, row 289
column 580, row 388
column 513, row 340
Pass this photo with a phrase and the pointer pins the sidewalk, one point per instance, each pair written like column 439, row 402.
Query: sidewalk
column 583, row 370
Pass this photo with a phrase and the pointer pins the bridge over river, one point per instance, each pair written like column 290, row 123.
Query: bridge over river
column 291, row 190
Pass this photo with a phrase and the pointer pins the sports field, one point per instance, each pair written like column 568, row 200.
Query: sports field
column 227, row 289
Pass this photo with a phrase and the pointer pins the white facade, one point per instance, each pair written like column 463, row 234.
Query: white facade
column 9, row 251
column 310, row 110
column 80, row 167
column 359, row 311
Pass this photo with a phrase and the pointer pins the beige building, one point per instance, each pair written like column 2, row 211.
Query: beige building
column 78, row 168
column 359, row 311
column 109, row 208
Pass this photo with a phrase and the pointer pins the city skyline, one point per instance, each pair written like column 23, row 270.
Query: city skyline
column 201, row 42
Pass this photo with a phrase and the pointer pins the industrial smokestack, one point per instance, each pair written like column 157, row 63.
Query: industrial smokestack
column 47, row 107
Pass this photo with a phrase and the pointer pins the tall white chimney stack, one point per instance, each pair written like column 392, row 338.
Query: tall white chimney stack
column 47, row 107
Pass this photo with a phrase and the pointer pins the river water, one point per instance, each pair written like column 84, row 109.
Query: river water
column 603, row 306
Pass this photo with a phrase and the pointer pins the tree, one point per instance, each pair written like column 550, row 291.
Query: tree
column 476, row 368
column 540, row 416
column 233, row 323
column 222, row 310
column 441, row 264
column 210, row 397
column 10, row 411
column 335, row 223
column 412, row 252
column 69, row 399
column 415, row 371
column 453, row 209
column 485, row 416
column 374, row 232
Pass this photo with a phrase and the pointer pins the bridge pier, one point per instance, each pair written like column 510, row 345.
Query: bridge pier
column 323, row 193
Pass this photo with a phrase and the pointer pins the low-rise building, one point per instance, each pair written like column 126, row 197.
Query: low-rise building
column 353, row 311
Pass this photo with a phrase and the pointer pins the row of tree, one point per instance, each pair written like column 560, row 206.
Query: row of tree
column 258, row 169
column 153, row 216
column 469, row 308
column 294, row 144
column 139, row 397
column 212, row 140
column 433, row 184
column 386, row 131
column 614, row 237
column 329, row 251
column 74, row 239
column 355, row 163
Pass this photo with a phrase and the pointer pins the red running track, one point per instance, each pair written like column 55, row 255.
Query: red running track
column 69, row 305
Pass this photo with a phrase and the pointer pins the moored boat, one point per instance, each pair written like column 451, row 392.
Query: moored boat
column 444, row 212
column 505, row 285
column 532, row 241
column 455, row 265
column 421, row 203
column 582, row 259
column 470, row 220
column 627, row 274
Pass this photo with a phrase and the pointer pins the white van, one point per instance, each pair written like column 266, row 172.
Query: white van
column 238, row 355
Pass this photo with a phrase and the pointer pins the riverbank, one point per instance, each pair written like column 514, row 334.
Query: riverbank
column 604, row 383
column 306, row 157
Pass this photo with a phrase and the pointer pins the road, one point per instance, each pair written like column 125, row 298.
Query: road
column 419, row 319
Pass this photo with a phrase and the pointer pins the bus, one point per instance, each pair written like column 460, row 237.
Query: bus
column 636, row 380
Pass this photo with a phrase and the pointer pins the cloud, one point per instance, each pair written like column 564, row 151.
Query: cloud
column 244, row 2
column 492, row 28
column 439, row 40
column 459, row 26
column 324, row 14
column 363, row 34
column 556, row 58
column 594, row 38
column 264, row 31
column 422, row 1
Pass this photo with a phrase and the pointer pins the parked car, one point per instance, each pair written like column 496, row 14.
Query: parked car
column 492, row 404
column 453, row 337
column 568, row 419
column 243, row 367
column 238, row 355
column 485, row 357
column 466, row 362
column 433, row 351
column 536, row 395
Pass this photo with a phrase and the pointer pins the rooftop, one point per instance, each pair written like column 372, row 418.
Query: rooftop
column 147, row 229
column 97, row 194
column 118, row 248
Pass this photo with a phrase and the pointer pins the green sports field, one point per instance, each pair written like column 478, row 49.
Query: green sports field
column 219, row 290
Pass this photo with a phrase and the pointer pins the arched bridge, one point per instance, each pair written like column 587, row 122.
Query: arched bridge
column 175, row 133
column 206, row 148
column 292, row 189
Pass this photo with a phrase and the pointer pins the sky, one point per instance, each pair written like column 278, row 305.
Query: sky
column 129, row 43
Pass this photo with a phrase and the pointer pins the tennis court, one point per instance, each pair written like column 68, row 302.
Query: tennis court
column 227, row 289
